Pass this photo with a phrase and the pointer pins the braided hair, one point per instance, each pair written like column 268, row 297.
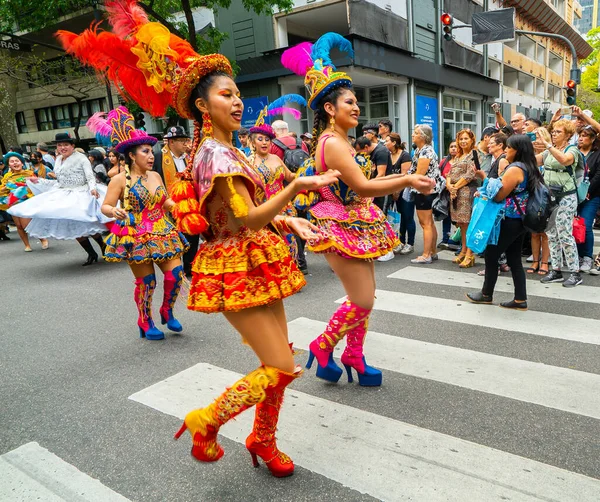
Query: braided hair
column 128, row 165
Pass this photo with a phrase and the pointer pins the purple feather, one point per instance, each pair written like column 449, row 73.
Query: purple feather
column 297, row 58
column 284, row 109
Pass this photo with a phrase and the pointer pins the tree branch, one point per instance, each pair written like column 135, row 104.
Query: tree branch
column 185, row 6
column 161, row 19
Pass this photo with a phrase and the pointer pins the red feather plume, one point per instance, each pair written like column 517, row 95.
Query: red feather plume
column 112, row 57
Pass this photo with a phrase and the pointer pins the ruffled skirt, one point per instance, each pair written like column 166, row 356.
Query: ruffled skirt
column 358, row 230
column 249, row 269
column 62, row 213
column 146, row 248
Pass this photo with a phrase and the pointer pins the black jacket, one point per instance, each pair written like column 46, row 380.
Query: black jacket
column 593, row 165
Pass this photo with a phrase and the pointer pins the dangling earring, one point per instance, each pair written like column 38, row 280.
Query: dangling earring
column 207, row 129
column 332, row 123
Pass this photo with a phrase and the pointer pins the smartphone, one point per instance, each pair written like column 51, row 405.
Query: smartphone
column 566, row 110
column 531, row 135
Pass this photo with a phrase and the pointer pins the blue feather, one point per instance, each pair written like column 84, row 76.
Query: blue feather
column 287, row 98
column 322, row 48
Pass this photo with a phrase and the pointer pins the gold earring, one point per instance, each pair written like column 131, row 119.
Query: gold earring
column 332, row 123
column 207, row 129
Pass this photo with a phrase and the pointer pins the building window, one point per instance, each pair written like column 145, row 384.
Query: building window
column 62, row 117
column 554, row 93
column 378, row 103
column 555, row 63
column 21, row 124
column 527, row 47
column 43, row 117
column 459, row 113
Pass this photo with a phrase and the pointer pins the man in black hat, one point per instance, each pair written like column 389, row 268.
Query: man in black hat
column 171, row 160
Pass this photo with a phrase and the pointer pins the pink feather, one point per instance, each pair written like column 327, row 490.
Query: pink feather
column 98, row 124
column 125, row 16
column 284, row 109
column 297, row 58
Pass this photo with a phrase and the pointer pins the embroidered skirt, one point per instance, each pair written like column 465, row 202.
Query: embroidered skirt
column 146, row 248
column 353, row 231
column 248, row 269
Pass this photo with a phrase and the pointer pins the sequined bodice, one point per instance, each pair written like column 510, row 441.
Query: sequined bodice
column 342, row 192
column 147, row 209
column 273, row 180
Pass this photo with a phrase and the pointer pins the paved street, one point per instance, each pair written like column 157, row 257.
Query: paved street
column 478, row 403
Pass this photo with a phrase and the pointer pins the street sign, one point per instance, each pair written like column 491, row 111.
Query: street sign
column 252, row 108
column 493, row 26
column 12, row 44
column 427, row 113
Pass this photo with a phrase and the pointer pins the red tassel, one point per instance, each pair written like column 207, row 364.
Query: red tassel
column 183, row 190
column 192, row 224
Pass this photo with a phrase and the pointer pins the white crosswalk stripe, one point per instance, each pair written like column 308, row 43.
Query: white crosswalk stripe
column 531, row 322
column 467, row 279
column 31, row 472
column 432, row 466
column 559, row 388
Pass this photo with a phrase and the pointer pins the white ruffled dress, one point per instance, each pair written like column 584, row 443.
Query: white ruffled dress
column 64, row 208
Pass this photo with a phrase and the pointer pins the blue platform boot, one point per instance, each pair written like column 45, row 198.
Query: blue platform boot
column 353, row 358
column 144, row 288
column 172, row 285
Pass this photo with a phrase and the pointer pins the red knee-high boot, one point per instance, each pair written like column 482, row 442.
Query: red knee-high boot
column 262, row 442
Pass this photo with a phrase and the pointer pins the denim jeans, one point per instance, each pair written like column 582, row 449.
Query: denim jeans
column 446, row 229
column 407, row 221
column 587, row 211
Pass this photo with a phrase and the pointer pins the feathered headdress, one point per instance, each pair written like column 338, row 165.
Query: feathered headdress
column 118, row 128
column 147, row 63
column 277, row 107
column 313, row 62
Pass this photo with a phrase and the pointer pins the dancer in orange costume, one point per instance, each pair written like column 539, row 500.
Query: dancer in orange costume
column 353, row 230
column 243, row 268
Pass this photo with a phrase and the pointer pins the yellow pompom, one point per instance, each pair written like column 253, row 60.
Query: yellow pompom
column 188, row 206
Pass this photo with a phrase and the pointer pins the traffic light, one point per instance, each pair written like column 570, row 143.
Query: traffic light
column 447, row 22
column 139, row 121
column 571, row 92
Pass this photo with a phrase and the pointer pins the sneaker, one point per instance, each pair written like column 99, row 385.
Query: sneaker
column 595, row 271
column 399, row 248
column 407, row 249
column 553, row 276
column 454, row 246
column 386, row 257
column 586, row 265
column 443, row 245
column 435, row 257
column 530, row 259
column 573, row 280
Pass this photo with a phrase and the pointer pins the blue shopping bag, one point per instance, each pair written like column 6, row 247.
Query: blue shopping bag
column 485, row 221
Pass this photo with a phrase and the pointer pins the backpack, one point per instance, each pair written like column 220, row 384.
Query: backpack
column 539, row 207
column 293, row 158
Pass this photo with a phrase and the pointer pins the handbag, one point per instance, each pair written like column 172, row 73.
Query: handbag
column 393, row 218
column 579, row 229
column 456, row 236
column 486, row 215
column 441, row 205
column 584, row 186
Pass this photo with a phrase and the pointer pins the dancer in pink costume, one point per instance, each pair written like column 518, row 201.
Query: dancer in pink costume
column 353, row 231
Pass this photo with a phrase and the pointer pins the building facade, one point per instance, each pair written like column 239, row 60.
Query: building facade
column 403, row 69
column 589, row 16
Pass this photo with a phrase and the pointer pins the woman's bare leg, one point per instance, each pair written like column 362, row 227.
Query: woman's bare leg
column 21, row 224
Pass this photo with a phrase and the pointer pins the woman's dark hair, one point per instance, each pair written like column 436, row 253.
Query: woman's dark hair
column 97, row 156
column 525, row 154
column 395, row 138
column 321, row 119
column 36, row 157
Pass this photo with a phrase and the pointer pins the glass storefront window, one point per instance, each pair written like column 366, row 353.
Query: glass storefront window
column 459, row 113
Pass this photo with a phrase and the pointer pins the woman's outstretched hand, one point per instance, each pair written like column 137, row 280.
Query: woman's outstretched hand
column 422, row 183
column 316, row 182
column 302, row 228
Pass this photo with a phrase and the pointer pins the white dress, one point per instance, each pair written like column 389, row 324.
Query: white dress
column 64, row 208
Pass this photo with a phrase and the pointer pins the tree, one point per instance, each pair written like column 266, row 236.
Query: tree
column 61, row 77
column 29, row 15
column 587, row 92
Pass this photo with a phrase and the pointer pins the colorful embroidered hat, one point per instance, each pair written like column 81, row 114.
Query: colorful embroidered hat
column 118, row 127
column 313, row 62
column 146, row 62
column 277, row 108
